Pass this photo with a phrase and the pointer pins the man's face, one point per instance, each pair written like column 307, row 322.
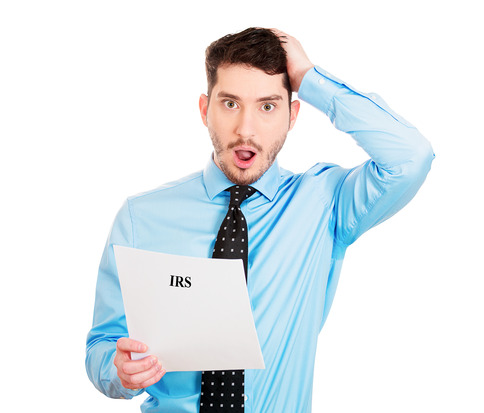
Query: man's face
column 248, row 118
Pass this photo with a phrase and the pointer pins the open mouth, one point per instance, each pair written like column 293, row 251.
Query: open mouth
column 244, row 158
column 244, row 155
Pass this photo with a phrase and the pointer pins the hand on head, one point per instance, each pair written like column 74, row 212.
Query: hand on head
column 298, row 62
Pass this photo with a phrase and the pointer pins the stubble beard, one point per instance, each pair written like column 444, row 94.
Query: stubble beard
column 248, row 176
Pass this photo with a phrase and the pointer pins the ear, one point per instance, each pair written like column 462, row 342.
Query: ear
column 295, row 105
column 203, row 105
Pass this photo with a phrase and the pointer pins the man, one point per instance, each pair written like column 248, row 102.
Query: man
column 298, row 225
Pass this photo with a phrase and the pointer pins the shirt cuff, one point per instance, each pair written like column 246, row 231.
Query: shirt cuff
column 318, row 88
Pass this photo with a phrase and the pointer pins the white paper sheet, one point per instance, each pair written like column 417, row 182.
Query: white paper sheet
column 199, row 321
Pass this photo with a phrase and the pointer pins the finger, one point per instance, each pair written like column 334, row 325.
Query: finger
column 279, row 33
column 138, row 366
column 128, row 344
column 145, row 378
column 155, row 379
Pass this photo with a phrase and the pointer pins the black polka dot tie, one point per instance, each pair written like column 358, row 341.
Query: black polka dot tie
column 223, row 391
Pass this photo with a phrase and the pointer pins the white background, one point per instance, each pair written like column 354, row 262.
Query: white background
column 99, row 100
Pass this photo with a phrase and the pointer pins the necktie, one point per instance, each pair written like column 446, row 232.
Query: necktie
column 223, row 391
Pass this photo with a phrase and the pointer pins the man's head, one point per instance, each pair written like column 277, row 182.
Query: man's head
column 254, row 47
column 248, row 110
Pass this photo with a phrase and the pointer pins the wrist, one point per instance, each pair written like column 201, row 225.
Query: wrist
column 297, row 79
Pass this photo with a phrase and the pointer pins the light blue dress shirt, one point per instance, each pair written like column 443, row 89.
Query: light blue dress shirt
column 299, row 227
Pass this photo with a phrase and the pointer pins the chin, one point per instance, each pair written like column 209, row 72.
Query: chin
column 242, row 180
column 242, row 176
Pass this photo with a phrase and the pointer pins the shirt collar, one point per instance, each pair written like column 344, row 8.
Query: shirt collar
column 216, row 182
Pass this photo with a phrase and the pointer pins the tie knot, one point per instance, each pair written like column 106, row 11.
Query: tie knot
column 238, row 193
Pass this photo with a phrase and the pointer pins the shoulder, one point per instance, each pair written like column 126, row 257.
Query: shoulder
column 186, row 185
column 322, row 171
column 319, row 184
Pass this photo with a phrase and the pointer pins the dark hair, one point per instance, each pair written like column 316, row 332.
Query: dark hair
column 254, row 47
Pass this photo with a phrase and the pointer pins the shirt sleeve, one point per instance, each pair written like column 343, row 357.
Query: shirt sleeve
column 400, row 156
column 109, row 322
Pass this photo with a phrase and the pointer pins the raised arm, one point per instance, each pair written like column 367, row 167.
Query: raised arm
column 400, row 156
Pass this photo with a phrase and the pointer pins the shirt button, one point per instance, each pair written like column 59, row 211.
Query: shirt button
column 322, row 81
column 245, row 397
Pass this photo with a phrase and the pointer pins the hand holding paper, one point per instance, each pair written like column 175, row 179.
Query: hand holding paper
column 136, row 374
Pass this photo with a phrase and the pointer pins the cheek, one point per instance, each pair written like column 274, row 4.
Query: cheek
column 276, row 127
column 220, row 124
column 280, row 120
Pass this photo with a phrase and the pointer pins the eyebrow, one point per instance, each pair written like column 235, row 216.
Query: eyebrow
column 223, row 94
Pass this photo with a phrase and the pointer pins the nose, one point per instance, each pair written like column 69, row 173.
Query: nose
column 245, row 126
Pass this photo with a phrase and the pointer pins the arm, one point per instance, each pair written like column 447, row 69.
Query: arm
column 108, row 351
column 400, row 155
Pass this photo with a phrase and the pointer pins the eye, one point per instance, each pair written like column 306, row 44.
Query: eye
column 268, row 107
column 230, row 104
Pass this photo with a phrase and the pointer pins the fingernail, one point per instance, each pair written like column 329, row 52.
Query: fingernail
column 163, row 371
